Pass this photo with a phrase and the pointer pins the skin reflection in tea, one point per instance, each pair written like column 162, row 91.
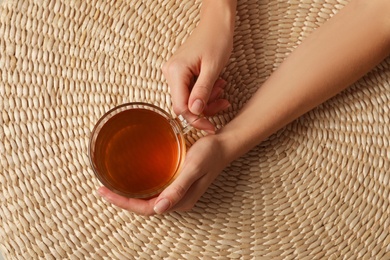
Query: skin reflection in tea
column 137, row 149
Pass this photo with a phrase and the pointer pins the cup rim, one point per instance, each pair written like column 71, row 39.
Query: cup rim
column 144, row 105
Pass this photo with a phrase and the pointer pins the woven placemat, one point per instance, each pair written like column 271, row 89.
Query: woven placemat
column 317, row 189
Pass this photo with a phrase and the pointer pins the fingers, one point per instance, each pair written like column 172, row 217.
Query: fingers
column 200, row 93
column 138, row 206
column 196, row 190
column 216, row 104
column 202, row 164
column 175, row 192
column 217, row 90
column 179, row 78
column 216, row 107
column 205, row 125
column 206, row 91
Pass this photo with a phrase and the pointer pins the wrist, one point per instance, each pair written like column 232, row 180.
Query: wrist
column 232, row 144
column 245, row 132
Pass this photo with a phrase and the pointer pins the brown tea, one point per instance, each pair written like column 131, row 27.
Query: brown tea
column 137, row 152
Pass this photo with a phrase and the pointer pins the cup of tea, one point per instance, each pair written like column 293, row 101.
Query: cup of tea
column 137, row 149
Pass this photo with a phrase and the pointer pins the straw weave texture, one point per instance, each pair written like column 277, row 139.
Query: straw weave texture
column 317, row 189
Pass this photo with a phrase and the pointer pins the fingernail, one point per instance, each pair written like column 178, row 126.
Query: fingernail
column 210, row 132
column 162, row 206
column 105, row 198
column 101, row 194
column 220, row 93
column 197, row 107
column 227, row 106
column 222, row 83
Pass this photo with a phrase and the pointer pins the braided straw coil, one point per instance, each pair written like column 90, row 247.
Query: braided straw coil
column 317, row 189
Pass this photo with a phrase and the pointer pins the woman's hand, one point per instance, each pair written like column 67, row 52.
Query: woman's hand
column 193, row 71
column 203, row 163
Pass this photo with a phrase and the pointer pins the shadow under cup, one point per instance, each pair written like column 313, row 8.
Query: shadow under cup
column 136, row 150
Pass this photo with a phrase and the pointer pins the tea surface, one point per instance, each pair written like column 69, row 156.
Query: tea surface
column 137, row 151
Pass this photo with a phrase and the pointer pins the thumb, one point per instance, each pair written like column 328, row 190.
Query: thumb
column 173, row 193
column 169, row 197
column 201, row 91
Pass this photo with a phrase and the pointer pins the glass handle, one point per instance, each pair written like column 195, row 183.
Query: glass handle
column 186, row 120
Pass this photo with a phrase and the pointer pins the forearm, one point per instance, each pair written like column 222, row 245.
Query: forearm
column 219, row 13
column 332, row 58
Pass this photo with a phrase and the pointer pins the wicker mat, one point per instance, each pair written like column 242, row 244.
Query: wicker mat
column 317, row 189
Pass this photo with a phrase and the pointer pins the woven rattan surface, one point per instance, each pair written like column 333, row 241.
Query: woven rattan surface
column 317, row 189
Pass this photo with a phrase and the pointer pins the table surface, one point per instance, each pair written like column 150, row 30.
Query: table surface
column 318, row 188
column 1, row 257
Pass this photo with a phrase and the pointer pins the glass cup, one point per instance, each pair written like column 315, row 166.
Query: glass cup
column 137, row 149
